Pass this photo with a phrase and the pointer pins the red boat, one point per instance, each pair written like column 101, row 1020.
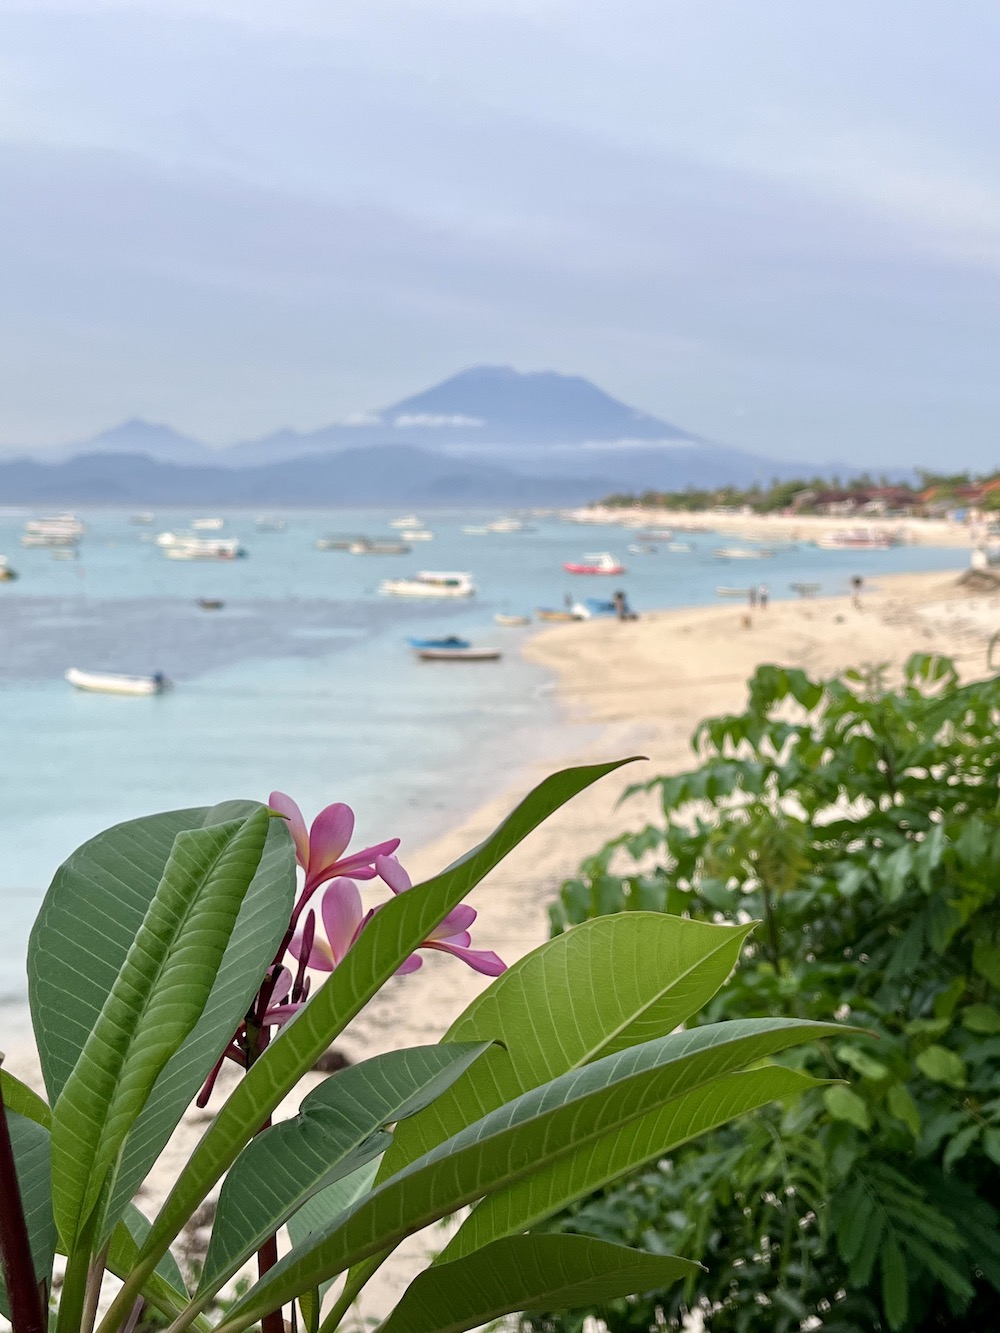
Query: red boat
column 601, row 563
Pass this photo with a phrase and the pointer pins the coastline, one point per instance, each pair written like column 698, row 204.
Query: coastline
column 622, row 688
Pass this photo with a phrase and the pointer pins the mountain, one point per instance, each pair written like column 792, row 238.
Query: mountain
column 489, row 434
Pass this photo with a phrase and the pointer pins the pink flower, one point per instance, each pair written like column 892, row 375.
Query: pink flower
column 278, row 1010
column 343, row 919
column 320, row 851
column 451, row 936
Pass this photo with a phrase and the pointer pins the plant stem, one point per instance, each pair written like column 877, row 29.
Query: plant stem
column 27, row 1313
column 267, row 1255
column 94, row 1279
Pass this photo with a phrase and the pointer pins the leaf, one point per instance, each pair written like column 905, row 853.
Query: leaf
column 321, row 1209
column 391, row 936
column 904, row 1108
column 980, row 1018
column 19, row 1097
column 843, row 1104
column 986, row 960
column 30, row 1143
column 555, row 1120
column 991, row 1144
column 942, row 1065
column 599, row 988
column 94, row 909
column 959, row 1146
column 526, row 1273
column 894, row 1291
column 154, row 1003
column 340, row 1126
column 128, row 1235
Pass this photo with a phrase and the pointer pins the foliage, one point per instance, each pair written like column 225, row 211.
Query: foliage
column 160, row 952
column 861, row 824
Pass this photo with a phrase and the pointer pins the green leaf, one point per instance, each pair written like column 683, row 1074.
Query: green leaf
column 942, row 1065
column 340, row 1125
column 862, row 1063
column 154, row 1003
column 128, row 1235
column 30, row 1143
column 317, row 1212
column 986, row 960
column 991, row 1144
column 904, row 1108
column 980, row 1018
column 526, row 1273
column 94, row 909
column 25, row 1101
column 555, row 1120
column 599, row 988
column 959, row 1146
column 390, row 937
column 843, row 1104
column 895, row 1297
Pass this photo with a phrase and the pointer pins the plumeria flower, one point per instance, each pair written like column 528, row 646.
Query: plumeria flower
column 343, row 919
column 279, row 1010
column 451, row 936
column 320, row 850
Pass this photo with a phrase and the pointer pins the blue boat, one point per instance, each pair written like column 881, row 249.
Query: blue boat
column 452, row 641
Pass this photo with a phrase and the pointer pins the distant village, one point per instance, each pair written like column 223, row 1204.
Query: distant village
column 958, row 496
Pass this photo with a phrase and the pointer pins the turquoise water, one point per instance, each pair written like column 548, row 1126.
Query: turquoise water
column 303, row 681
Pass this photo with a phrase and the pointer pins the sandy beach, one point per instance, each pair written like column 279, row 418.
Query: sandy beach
column 632, row 688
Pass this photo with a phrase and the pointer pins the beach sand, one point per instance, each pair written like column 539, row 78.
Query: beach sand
column 624, row 688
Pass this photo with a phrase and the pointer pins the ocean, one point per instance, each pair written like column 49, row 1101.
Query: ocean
column 303, row 681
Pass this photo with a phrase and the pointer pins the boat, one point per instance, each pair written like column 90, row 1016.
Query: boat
column 641, row 548
column 501, row 618
column 450, row 641
column 58, row 530
column 459, row 654
column 476, row 529
column 601, row 562
column 145, row 518
column 732, row 592
column 109, row 682
column 407, row 521
column 805, row 589
column 593, row 608
column 7, row 575
column 366, row 546
column 508, row 525
column 417, row 535
column 339, row 541
column 856, row 539
column 680, row 546
column 207, row 524
column 553, row 613
column 742, row 552
column 430, row 583
column 268, row 523
column 210, row 603
column 203, row 548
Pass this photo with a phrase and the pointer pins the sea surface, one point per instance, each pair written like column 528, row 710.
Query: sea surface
column 303, row 681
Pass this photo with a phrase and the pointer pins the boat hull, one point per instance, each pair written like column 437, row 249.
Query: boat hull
column 106, row 682
column 459, row 654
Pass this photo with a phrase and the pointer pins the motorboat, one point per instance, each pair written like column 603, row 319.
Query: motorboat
column 268, row 523
column 554, row 613
column 339, row 541
column 203, row 548
column 407, row 521
column 450, row 641
column 508, row 525
column 109, row 682
column 210, row 603
column 459, row 654
column 476, row 529
column 207, row 524
column 430, row 583
column 742, row 552
column 600, row 562
column 856, row 539
column 58, row 530
column 366, row 546
column 593, row 608
column 417, row 535
column 641, row 548
column 502, row 618
column 7, row 575
column 680, row 546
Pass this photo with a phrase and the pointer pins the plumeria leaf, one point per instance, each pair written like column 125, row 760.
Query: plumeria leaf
column 30, row 1143
column 320, row 1210
column 92, row 913
column 392, row 935
column 25, row 1101
column 156, row 1000
column 523, row 1273
column 340, row 1126
column 585, row 1107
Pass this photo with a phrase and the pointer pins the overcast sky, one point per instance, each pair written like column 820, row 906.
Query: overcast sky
column 775, row 223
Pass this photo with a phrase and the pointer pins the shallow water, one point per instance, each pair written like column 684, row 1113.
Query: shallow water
column 303, row 681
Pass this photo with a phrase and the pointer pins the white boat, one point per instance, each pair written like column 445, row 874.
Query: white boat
column 109, row 682
column 207, row 524
column 501, row 618
column 407, row 521
column 268, row 523
column 458, row 654
column 476, row 529
column 680, row 546
column 144, row 518
column 59, row 530
column 365, row 546
column 204, row 548
column 856, row 539
column 430, row 583
column 742, row 553
column 417, row 535
column 507, row 525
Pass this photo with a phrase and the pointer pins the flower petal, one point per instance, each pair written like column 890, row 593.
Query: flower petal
column 389, row 869
column 458, row 919
column 296, row 824
column 413, row 964
column 480, row 960
column 282, row 986
column 330, row 833
column 342, row 916
column 360, row 864
column 274, row 1018
column 320, row 955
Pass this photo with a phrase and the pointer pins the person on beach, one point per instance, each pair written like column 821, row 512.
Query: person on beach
column 856, row 584
column 752, row 596
column 763, row 595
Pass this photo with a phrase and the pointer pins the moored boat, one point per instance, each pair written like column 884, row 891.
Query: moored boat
column 459, row 654
column 502, row 618
column 203, row 548
column 7, row 575
column 417, row 535
column 600, row 562
column 366, row 546
column 554, row 613
column 210, row 603
column 58, row 530
column 110, row 682
column 407, row 521
column 207, row 524
column 449, row 641
column 857, row 539
column 430, row 583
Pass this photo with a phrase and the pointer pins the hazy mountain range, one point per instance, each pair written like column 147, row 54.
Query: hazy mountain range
column 489, row 434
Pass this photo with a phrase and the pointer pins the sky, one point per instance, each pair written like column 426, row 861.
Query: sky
column 774, row 224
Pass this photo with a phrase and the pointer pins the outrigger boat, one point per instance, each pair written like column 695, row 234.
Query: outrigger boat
column 109, row 682
column 603, row 562
column 468, row 654
column 430, row 583
column 502, row 618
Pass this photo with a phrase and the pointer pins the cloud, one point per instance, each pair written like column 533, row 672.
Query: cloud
column 434, row 419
